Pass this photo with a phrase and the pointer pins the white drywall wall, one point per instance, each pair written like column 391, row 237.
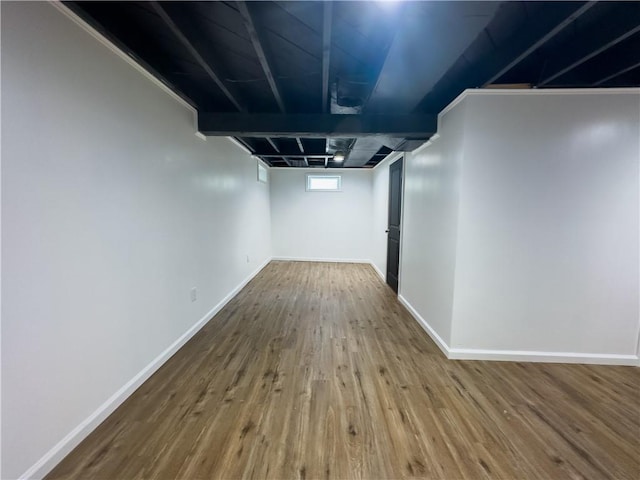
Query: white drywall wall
column 432, row 179
column 521, row 226
column 547, row 257
column 321, row 225
column 112, row 210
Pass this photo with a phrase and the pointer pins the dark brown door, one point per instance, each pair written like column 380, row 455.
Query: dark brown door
column 393, row 230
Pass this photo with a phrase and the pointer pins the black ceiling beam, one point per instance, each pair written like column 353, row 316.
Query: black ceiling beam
column 246, row 144
column 99, row 27
column 355, row 154
column 543, row 30
column 280, row 155
column 290, row 153
column 326, row 52
column 400, row 87
column 273, row 144
column 263, row 57
column 607, row 35
column 615, row 74
column 256, row 41
column 485, row 70
column 315, row 125
column 415, row 61
column 617, row 61
column 162, row 13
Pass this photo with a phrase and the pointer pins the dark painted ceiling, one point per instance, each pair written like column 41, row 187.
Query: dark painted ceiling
column 296, row 82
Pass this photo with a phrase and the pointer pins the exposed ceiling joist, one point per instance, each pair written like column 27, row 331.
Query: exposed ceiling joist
column 271, row 155
column 177, row 31
column 600, row 40
column 496, row 60
column 414, row 62
column 289, row 152
column 618, row 60
column 360, row 151
column 258, row 46
column 316, row 125
column 400, row 88
column 115, row 40
column 367, row 58
column 617, row 73
column 246, row 144
column 326, row 52
column 544, row 30
column 273, row 144
column 363, row 150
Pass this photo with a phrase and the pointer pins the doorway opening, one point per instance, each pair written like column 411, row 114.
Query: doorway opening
column 393, row 225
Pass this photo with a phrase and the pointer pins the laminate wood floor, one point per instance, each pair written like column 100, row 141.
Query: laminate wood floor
column 316, row 371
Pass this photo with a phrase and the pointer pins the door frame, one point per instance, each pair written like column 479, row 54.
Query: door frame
column 401, row 157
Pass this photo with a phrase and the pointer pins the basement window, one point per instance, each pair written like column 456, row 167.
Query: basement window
column 262, row 173
column 324, row 183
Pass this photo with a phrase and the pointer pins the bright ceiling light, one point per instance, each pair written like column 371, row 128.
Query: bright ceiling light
column 388, row 3
column 338, row 157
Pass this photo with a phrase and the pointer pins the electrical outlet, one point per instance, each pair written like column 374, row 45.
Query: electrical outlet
column 194, row 294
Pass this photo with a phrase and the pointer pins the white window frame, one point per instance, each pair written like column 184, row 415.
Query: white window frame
column 263, row 175
column 310, row 176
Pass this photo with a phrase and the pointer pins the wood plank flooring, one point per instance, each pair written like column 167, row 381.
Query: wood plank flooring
column 315, row 371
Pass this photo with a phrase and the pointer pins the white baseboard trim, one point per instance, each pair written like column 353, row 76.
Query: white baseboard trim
column 425, row 325
column 542, row 357
column 69, row 442
column 519, row 355
column 378, row 271
column 320, row 259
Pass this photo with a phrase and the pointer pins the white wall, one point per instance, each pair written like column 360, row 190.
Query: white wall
column 548, row 244
column 321, row 225
column 432, row 180
column 521, row 227
column 112, row 210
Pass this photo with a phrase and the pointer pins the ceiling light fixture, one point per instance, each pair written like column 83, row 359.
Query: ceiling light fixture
column 338, row 157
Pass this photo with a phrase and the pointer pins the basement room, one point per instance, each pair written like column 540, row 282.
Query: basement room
column 320, row 240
